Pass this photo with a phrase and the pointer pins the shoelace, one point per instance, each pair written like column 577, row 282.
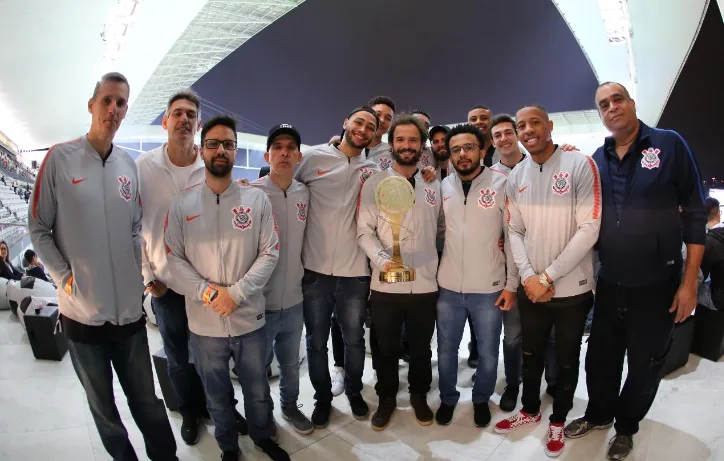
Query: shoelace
column 556, row 433
column 518, row 419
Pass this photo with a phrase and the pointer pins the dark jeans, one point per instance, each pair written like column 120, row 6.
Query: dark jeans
column 636, row 322
column 347, row 297
column 212, row 362
column 337, row 344
column 389, row 312
column 513, row 350
column 131, row 360
column 170, row 312
column 283, row 334
column 568, row 316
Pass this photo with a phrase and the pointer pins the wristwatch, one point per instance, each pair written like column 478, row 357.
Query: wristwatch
column 209, row 295
column 543, row 280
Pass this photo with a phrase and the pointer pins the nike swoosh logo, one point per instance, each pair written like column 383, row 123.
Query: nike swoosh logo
column 446, row 199
column 322, row 172
column 520, row 191
column 191, row 218
column 78, row 181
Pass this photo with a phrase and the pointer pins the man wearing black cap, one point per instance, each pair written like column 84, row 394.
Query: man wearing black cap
column 337, row 273
column 439, row 151
column 283, row 291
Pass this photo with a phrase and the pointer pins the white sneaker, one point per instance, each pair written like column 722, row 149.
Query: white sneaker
column 337, row 381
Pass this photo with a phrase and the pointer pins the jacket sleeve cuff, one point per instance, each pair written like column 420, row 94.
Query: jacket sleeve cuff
column 552, row 273
column 512, row 285
column 147, row 275
column 694, row 233
column 526, row 273
column 236, row 293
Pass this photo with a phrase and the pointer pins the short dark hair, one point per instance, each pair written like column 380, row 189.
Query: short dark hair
column 406, row 119
column 712, row 208
column 421, row 112
column 223, row 120
column 110, row 77
column 464, row 128
column 480, row 106
column 625, row 91
column 503, row 118
column 536, row 106
column 29, row 255
column 438, row 129
column 386, row 100
column 187, row 94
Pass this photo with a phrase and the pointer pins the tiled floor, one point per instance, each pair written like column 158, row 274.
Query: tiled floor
column 44, row 416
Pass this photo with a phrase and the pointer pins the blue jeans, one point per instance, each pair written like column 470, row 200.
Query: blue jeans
column 131, row 359
column 513, row 350
column 212, row 362
column 452, row 313
column 170, row 312
column 283, row 334
column 347, row 297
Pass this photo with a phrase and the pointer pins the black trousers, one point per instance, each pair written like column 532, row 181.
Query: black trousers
column 418, row 312
column 636, row 321
column 568, row 316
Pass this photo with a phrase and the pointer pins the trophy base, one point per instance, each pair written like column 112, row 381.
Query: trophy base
column 401, row 275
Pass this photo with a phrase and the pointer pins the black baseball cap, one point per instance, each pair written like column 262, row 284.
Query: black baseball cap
column 439, row 129
column 284, row 128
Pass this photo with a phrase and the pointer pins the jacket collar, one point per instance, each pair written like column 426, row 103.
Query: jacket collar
column 229, row 190
column 90, row 150
column 643, row 134
column 554, row 158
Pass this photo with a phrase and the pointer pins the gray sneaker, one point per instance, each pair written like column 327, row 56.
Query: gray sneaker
column 620, row 446
column 301, row 423
column 580, row 427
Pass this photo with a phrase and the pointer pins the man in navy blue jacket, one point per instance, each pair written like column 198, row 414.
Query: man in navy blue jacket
column 646, row 174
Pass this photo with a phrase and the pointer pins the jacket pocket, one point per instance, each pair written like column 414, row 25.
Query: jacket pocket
column 669, row 249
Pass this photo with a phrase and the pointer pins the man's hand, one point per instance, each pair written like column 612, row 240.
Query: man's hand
column 507, row 298
column 334, row 140
column 501, row 245
column 242, row 182
column 535, row 291
column 684, row 302
column 69, row 285
column 429, row 174
column 568, row 147
column 223, row 304
column 158, row 289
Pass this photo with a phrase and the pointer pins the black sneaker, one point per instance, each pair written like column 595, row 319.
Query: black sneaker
column 190, row 430
column 301, row 423
column 230, row 456
column 272, row 450
column 620, row 447
column 382, row 416
column 482, row 414
column 509, row 399
column 360, row 410
column 473, row 357
column 242, row 427
column 423, row 413
column 580, row 427
column 551, row 390
column 444, row 414
column 320, row 415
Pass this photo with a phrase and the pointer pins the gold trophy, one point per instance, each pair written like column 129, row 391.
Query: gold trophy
column 395, row 196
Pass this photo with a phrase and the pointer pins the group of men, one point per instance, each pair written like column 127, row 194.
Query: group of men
column 495, row 237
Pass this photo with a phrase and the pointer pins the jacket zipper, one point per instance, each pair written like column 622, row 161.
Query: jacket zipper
column 282, row 247
column 462, row 240
column 108, row 237
column 219, row 253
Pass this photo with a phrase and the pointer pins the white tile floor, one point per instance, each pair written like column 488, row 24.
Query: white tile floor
column 44, row 416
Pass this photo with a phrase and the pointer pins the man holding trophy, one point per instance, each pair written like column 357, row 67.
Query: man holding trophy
column 400, row 218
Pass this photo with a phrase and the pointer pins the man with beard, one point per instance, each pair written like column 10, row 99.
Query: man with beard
column 480, row 116
column 505, row 141
column 439, row 150
column 554, row 214
column 476, row 280
column 222, row 249
column 85, row 223
column 379, row 151
column 653, row 204
column 283, row 292
column 427, row 159
column 336, row 271
column 411, row 303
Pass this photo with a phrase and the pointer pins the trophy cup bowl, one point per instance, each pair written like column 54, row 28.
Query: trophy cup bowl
column 395, row 196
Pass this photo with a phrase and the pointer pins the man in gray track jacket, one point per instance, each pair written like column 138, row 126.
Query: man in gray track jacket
column 85, row 224
column 283, row 292
column 409, row 303
column 223, row 247
column 554, row 214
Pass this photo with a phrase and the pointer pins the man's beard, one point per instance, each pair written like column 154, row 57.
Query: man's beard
column 467, row 171
column 219, row 169
column 404, row 162
column 352, row 142
column 441, row 155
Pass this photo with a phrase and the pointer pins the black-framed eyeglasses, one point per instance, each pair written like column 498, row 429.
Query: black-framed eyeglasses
column 468, row 147
column 214, row 144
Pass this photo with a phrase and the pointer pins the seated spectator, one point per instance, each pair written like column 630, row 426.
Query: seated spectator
column 7, row 271
column 712, row 265
column 35, row 268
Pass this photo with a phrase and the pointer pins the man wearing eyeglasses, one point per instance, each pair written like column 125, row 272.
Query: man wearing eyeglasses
column 474, row 207
column 222, row 249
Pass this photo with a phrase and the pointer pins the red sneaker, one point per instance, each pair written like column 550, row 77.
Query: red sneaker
column 519, row 419
column 555, row 442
